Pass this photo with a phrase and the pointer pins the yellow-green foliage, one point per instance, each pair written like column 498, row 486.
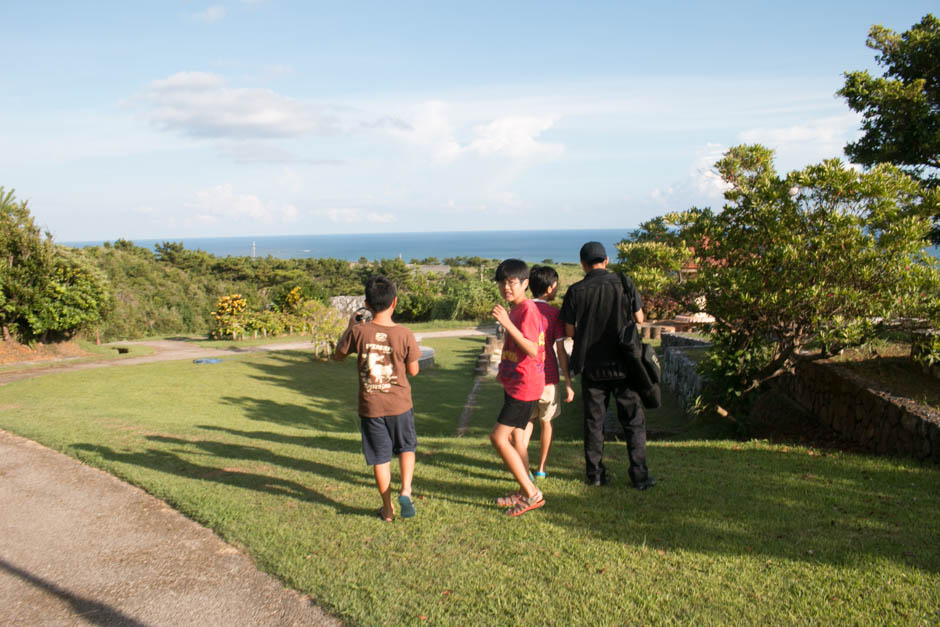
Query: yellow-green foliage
column 229, row 315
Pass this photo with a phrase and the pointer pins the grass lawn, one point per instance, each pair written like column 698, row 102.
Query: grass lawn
column 264, row 449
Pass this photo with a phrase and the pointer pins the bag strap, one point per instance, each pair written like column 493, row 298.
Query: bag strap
column 627, row 298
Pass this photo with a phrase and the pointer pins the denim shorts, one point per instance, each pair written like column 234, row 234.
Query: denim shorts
column 387, row 436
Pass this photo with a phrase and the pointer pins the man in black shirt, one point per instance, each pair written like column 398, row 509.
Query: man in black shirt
column 590, row 313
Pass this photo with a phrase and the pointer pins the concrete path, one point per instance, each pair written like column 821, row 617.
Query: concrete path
column 79, row 547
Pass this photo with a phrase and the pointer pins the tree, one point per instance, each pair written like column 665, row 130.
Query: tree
column 75, row 296
column 901, row 109
column 46, row 292
column 25, row 264
column 653, row 255
column 819, row 257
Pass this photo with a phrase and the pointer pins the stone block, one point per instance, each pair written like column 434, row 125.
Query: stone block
column 905, row 443
column 934, row 431
column 907, row 421
column 924, row 452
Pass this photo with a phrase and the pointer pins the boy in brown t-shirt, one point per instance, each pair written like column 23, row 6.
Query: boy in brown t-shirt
column 388, row 354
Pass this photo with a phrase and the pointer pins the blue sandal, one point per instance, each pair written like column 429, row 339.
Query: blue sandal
column 407, row 507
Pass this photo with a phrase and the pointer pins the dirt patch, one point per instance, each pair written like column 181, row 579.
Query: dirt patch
column 16, row 353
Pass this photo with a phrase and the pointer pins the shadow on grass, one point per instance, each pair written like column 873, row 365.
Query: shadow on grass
column 175, row 463
column 766, row 501
column 428, row 454
column 439, row 392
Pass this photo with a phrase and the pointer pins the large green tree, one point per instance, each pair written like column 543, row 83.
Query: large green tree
column 901, row 109
column 819, row 257
column 25, row 262
column 46, row 292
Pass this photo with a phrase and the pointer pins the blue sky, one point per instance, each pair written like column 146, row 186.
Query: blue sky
column 178, row 119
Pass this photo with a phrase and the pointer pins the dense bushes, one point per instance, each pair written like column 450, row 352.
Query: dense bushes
column 46, row 292
column 173, row 290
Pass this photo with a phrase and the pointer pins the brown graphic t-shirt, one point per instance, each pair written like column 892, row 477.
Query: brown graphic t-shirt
column 384, row 389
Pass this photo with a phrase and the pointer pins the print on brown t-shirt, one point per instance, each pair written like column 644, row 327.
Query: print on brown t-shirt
column 384, row 389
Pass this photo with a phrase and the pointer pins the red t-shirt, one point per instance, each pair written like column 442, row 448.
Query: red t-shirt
column 554, row 329
column 523, row 376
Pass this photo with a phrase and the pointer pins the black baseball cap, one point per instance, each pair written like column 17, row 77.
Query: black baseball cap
column 592, row 252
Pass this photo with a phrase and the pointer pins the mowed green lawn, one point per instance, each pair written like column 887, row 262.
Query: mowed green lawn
column 264, row 449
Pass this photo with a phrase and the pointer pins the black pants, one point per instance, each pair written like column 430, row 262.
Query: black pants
column 595, row 396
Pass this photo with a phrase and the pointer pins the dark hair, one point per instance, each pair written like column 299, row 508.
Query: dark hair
column 380, row 293
column 541, row 278
column 512, row 269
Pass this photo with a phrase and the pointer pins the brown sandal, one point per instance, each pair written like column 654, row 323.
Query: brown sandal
column 526, row 504
column 509, row 500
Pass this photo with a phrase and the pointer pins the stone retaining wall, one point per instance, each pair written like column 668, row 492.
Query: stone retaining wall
column 877, row 420
column 680, row 373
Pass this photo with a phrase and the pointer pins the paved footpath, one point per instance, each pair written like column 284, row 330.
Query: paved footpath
column 80, row 547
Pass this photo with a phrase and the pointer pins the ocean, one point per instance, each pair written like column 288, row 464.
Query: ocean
column 531, row 246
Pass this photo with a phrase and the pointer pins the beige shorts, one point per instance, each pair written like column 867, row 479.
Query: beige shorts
column 549, row 406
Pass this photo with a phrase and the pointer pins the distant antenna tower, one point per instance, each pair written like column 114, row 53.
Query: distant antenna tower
column 252, row 250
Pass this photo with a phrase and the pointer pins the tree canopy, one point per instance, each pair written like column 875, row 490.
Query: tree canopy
column 817, row 258
column 46, row 292
column 901, row 109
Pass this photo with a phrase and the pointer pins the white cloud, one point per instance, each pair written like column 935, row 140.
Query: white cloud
column 705, row 180
column 431, row 128
column 515, row 137
column 355, row 216
column 212, row 14
column 199, row 104
column 802, row 144
column 221, row 203
column 701, row 187
column 380, row 218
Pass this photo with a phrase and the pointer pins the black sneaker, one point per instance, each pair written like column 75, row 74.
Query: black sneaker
column 646, row 484
column 598, row 481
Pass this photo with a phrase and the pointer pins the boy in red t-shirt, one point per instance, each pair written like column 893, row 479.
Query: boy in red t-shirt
column 388, row 354
column 543, row 283
column 523, row 378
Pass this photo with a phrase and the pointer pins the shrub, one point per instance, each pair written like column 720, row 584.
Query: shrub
column 821, row 257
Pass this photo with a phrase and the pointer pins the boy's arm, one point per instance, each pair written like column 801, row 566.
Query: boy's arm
column 345, row 341
column 529, row 347
column 562, row 356
column 412, row 367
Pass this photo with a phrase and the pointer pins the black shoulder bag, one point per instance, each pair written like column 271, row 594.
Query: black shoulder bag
column 639, row 358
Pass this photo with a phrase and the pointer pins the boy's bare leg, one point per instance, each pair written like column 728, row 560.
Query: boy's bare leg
column 501, row 437
column 383, row 479
column 545, row 442
column 523, row 446
column 406, row 462
column 520, row 440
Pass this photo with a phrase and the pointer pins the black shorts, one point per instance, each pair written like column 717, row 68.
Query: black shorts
column 387, row 436
column 515, row 413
